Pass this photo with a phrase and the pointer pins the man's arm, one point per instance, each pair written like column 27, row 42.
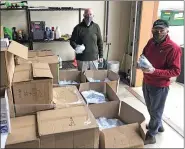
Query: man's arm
column 174, row 63
column 100, row 43
column 73, row 38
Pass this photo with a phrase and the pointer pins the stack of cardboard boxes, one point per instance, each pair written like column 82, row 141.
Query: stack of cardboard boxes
column 44, row 115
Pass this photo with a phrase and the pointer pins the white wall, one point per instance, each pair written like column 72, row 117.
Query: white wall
column 119, row 18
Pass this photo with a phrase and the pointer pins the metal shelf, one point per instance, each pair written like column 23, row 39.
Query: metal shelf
column 7, row 9
column 55, row 9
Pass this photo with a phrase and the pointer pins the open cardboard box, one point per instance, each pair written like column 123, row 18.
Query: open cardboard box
column 24, row 133
column 32, row 88
column 73, row 127
column 7, row 61
column 73, row 75
column 102, row 75
column 130, row 135
column 42, row 56
column 100, row 87
column 67, row 96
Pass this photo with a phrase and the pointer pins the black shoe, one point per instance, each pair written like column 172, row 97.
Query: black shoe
column 161, row 129
column 149, row 139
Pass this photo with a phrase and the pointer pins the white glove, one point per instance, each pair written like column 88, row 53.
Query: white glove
column 79, row 49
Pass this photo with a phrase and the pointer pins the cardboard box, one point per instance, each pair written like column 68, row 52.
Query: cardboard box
column 23, row 133
column 42, row 56
column 72, row 75
column 73, row 127
column 100, row 87
column 7, row 61
column 130, row 135
column 32, row 88
column 102, row 75
column 67, row 96
column 5, row 112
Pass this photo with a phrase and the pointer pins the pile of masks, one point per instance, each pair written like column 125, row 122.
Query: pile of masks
column 93, row 80
column 61, row 83
column 144, row 63
column 105, row 123
column 93, row 97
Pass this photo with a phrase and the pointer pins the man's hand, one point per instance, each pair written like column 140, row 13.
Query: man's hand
column 100, row 60
column 149, row 70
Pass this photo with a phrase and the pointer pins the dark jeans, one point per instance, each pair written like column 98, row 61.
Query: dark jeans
column 155, row 98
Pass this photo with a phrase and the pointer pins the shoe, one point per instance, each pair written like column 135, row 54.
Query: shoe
column 161, row 129
column 149, row 139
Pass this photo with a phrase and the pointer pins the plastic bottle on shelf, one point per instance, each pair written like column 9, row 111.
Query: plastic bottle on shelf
column 14, row 33
column 60, row 62
column 52, row 33
column 57, row 33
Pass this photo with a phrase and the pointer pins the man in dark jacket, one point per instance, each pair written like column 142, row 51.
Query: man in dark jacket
column 164, row 55
column 87, row 42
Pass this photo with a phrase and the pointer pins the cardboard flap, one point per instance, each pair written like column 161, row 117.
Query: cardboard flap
column 67, row 96
column 23, row 130
column 45, row 53
column 64, row 120
column 40, row 53
column 18, row 49
column 32, row 54
column 126, row 136
column 107, row 109
column 111, row 94
column 113, row 76
column 130, row 115
column 143, row 129
column 96, row 74
column 69, row 75
column 82, row 77
column 99, row 87
column 48, row 59
column 41, row 70
column 22, row 73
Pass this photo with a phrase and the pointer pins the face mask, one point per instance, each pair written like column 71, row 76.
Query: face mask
column 159, row 37
column 88, row 20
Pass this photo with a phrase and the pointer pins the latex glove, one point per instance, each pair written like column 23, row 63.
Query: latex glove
column 101, row 60
column 79, row 49
column 149, row 70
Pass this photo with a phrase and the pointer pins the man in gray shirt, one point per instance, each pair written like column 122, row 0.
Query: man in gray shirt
column 87, row 42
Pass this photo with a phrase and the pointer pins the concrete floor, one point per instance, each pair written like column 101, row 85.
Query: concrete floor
column 170, row 138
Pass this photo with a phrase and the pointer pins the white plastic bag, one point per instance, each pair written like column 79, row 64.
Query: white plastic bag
column 61, row 83
column 79, row 49
column 105, row 123
column 144, row 63
column 93, row 97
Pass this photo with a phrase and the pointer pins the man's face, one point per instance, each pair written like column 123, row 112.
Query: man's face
column 159, row 33
column 88, row 16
